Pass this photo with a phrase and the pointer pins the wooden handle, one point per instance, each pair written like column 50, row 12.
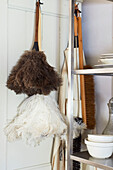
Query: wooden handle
column 83, row 98
column 82, row 82
column 37, row 21
column 80, row 43
column 75, row 26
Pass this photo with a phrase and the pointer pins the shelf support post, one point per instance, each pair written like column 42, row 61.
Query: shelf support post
column 70, row 84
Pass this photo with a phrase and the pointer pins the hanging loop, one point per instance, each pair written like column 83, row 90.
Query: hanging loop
column 77, row 11
column 38, row 2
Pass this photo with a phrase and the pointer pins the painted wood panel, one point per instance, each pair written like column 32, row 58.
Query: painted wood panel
column 55, row 7
column 50, row 39
column 16, row 32
column 29, row 29
column 28, row 5
column 3, row 75
column 20, row 156
column 64, row 39
column 16, row 46
column 39, row 167
column 20, row 38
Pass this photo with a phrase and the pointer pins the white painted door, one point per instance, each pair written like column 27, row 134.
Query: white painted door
column 16, row 35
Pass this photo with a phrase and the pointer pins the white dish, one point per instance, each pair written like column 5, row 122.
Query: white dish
column 99, row 150
column 108, row 54
column 107, row 57
column 100, row 138
column 103, row 66
column 106, row 60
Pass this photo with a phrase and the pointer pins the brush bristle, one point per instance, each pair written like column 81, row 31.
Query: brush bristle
column 90, row 99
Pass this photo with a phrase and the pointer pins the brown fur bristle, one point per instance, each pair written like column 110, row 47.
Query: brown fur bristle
column 90, row 99
column 32, row 74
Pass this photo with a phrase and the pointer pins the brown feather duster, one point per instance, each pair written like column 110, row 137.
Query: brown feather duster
column 33, row 75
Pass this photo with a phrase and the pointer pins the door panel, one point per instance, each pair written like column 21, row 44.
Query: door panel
column 16, row 36
column 39, row 167
column 3, row 75
column 22, row 4
column 19, row 155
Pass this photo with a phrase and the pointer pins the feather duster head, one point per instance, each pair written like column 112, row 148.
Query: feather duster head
column 38, row 117
column 33, row 75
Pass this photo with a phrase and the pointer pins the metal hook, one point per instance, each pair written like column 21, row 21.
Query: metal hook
column 39, row 2
column 77, row 11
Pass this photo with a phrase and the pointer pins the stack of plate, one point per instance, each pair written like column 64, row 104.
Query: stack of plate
column 100, row 146
column 106, row 60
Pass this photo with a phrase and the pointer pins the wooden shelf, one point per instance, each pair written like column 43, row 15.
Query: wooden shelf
column 84, row 157
column 97, row 71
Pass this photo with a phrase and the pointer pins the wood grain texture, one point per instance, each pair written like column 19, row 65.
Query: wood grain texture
column 75, row 26
column 37, row 21
column 82, row 82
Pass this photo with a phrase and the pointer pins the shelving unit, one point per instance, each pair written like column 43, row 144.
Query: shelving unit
column 82, row 157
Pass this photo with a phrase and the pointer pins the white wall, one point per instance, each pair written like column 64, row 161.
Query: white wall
column 98, row 39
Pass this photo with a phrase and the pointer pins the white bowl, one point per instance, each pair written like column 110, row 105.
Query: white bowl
column 106, row 60
column 99, row 150
column 100, row 138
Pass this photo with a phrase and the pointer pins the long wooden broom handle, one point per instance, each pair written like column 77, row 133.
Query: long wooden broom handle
column 80, row 43
column 37, row 21
column 77, row 82
column 82, row 82
column 75, row 26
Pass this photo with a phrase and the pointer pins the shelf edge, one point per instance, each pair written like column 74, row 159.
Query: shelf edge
column 85, row 161
column 101, row 71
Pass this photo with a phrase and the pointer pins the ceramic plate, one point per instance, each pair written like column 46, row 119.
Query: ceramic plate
column 109, row 54
column 103, row 66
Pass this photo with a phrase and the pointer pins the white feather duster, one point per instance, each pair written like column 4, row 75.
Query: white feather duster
column 38, row 117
